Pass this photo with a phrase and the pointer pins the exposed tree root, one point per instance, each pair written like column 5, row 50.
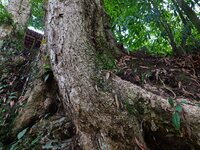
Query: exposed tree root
column 156, row 111
column 41, row 101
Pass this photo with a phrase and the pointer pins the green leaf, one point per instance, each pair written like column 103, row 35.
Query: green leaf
column 22, row 133
column 171, row 101
column 5, row 16
column 4, row 86
column 46, row 77
column 185, row 102
column 1, row 146
column 1, row 91
column 179, row 108
column 47, row 67
column 36, row 140
column 14, row 146
column 48, row 145
column 13, row 93
column 12, row 97
column 176, row 120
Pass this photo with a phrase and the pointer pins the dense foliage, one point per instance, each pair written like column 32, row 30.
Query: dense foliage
column 159, row 26
column 156, row 26
column 37, row 17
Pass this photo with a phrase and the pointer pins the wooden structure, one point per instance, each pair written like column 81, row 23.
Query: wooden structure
column 32, row 39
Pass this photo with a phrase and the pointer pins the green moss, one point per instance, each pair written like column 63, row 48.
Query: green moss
column 130, row 109
column 14, row 43
column 106, row 61
column 5, row 16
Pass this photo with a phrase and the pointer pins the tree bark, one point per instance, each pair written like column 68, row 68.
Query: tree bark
column 21, row 11
column 75, row 32
column 157, row 109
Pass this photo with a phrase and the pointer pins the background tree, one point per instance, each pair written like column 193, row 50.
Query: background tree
column 190, row 13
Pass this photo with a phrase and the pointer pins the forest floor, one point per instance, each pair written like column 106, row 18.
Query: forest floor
column 176, row 77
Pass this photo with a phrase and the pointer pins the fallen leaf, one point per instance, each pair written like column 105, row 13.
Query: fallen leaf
column 96, row 88
column 117, row 101
column 140, row 145
column 144, row 67
column 107, row 75
column 179, row 84
column 12, row 103
column 137, row 78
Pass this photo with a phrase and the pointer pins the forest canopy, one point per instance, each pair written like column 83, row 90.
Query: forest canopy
column 161, row 27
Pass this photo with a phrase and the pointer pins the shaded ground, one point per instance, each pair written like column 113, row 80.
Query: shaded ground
column 42, row 128
column 17, row 69
column 176, row 77
column 17, row 72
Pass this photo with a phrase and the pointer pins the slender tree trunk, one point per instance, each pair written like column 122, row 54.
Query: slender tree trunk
column 166, row 27
column 190, row 14
column 20, row 11
column 186, row 25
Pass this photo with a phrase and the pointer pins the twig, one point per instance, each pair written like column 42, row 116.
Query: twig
column 167, row 88
column 24, row 87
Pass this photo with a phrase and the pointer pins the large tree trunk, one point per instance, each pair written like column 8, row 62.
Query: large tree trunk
column 76, row 32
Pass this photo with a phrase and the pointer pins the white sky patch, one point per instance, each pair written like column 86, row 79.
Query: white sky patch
column 4, row 2
column 197, row 9
column 36, row 30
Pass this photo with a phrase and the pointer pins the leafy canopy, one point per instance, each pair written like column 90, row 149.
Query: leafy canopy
column 156, row 25
column 159, row 26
